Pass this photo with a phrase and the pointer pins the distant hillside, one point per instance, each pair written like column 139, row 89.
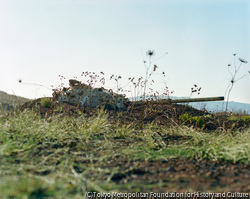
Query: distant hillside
column 8, row 101
column 221, row 106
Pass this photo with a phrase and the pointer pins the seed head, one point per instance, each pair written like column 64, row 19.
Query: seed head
column 243, row 61
column 150, row 53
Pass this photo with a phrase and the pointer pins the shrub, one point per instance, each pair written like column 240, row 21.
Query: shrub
column 46, row 102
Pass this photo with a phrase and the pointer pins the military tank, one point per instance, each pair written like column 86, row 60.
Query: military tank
column 81, row 94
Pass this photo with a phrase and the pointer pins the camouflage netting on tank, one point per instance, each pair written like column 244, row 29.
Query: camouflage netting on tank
column 84, row 95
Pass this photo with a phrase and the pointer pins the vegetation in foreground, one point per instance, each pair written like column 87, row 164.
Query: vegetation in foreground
column 64, row 157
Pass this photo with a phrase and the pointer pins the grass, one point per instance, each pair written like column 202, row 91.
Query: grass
column 244, row 118
column 63, row 157
column 196, row 121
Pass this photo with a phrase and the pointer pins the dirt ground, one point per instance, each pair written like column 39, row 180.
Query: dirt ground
column 177, row 175
column 198, row 175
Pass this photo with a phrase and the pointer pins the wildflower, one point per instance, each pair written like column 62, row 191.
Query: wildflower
column 243, row 61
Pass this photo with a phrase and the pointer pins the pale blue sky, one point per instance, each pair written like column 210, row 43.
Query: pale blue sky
column 41, row 39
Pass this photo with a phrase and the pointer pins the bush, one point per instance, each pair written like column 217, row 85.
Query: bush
column 46, row 102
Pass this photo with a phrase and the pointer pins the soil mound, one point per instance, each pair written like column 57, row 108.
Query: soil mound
column 162, row 114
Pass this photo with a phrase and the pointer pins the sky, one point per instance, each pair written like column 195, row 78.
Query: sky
column 42, row 39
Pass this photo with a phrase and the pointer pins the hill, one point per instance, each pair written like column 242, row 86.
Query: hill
column 8, row 101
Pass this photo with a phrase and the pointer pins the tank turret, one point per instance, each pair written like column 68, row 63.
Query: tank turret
column 84, row 95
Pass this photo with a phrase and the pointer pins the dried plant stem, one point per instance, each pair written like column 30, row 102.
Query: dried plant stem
column 229, row 91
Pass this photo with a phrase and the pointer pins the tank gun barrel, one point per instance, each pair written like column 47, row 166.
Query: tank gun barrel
column 184, row 100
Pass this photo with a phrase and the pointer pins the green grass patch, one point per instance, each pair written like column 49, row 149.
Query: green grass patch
column 196, row 121
column 244, row 118
column 63, row 157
